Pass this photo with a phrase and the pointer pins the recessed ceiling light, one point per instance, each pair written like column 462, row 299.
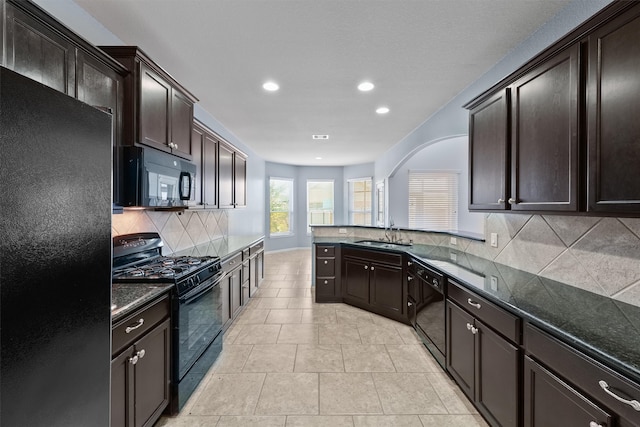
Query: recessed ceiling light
column 271, row 86
column 382, row 110
column 318, row 158
column 365, row 86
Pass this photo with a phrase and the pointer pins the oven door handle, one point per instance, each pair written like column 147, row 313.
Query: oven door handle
column 196, row 293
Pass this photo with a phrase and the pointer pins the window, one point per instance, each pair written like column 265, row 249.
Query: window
column 360, row 201
column 380, row 204
column 319, row 203
column 280, row 206
column 433, row 200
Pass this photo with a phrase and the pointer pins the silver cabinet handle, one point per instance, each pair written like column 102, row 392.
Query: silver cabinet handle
column 435, row 283
column 473, row 303
column 326, row 282
column 326, row 250
column 133, row 360
column 326, row 262
column 133, row 328
column 595, row 424
column 472, row 328
column 409, row 304
column 633, row 403
column 366, row 267
column 140, row 354
column 409, row 279
column 500, row 200
column 512, row 201
column 409, row 263
column 372, row 268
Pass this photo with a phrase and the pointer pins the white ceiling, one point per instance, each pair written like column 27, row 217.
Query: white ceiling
column 418, row 53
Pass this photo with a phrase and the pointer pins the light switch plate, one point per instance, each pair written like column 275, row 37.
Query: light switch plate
column 454, row 256
column 342, row 230
column 454, row 241
column 494, row 240
column 494, row 283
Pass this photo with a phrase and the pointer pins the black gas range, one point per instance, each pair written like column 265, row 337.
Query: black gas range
column 199, row 304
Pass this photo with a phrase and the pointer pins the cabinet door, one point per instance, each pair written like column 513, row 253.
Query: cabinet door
column 225, row 177
column 197, row 157
column 181, row 120
column 497, row 373
column 235, row 291
column 34, row 50
column 460, row 352
column 488, row 153
column 613, row 107
column 544, row 143
column 155, row 98
column 122, row 390
column 386, row 289
column 356, row 281
column 209, row 177
column 152, row 375
column 550, row 401
column 239, row 181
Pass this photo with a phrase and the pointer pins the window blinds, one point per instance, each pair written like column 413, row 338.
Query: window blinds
column 433, row 200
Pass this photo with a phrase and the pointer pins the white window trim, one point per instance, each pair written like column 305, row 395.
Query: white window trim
column 332, row 181
column 369, row 210
column 291, row 231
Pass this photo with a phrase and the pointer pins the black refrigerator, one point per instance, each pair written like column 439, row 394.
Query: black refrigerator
column 55, row 257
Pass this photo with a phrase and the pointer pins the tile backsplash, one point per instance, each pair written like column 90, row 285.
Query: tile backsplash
column 601, row 255
column 179, row 231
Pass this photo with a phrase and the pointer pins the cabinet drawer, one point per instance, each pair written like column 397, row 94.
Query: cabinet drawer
column 325, row 267
column 499, row 319
column 256, row 248
column 245, row 254
column 325, row 286
column 375, row 256
column 583, row 372
column 137, row 324
column 325, row 250
column 231, row 263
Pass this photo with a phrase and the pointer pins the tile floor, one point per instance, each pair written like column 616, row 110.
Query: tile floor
column 288, row 361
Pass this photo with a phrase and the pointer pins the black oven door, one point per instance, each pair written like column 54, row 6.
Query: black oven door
column 200, row 321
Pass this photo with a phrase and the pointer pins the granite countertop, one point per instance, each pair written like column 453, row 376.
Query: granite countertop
column 127, row 297
column 604, row 328
column 222, row 247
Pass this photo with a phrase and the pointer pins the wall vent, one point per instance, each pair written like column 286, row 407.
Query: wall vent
column 320, row 136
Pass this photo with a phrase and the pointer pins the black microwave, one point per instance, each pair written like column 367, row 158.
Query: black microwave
column 152, row 178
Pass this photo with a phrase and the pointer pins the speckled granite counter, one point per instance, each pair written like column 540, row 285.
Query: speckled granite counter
column 127, row 297
column 604, row 328
column 223, row 247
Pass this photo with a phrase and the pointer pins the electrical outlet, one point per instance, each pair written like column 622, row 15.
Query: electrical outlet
column 494, row 240
column 454, row 256
column 454, row 241
column 342, row 230
column 494, row 283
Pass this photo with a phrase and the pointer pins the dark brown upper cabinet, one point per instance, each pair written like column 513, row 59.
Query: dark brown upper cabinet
column 204, row 149
column 488, row 153
column 544, row 142
column 613, row 116
column 158, row 111
column 232, row 169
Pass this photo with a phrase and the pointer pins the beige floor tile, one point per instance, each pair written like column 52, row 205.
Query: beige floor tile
column 272, row 303
column 412, row 358
column 387, row 421
column 229, row 394
column 231, row 334
column 348, row 393
column 252, row 316
column 275, row 277
column 188, row 421
column 353, row 317
column 405, row 393
column 271, row 358
column 319, row 421
column 339, row 334
column 454, row 400
column 292, row 293
column 319, row 358
column 232, row 358
column 408, row 334
column 280, row 316
column 300, row 303
column 319, row 314
column 257, row 334
column 289, row 394
column 366, row 358
column 266, row 293
column 311, row 293
column 379, row 334
column 298, row 334
column 452, row 421
column 252, row 421
column 298, row 277
column 383, row 321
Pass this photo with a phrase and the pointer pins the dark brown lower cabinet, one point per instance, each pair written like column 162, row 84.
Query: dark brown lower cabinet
column 355, row 281
column 485, row 365
column 549, row 401
column 140, row 380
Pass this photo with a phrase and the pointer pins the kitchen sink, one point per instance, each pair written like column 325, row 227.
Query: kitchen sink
column 383, row 244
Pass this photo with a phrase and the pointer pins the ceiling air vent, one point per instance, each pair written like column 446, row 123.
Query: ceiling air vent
column 320, row 136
